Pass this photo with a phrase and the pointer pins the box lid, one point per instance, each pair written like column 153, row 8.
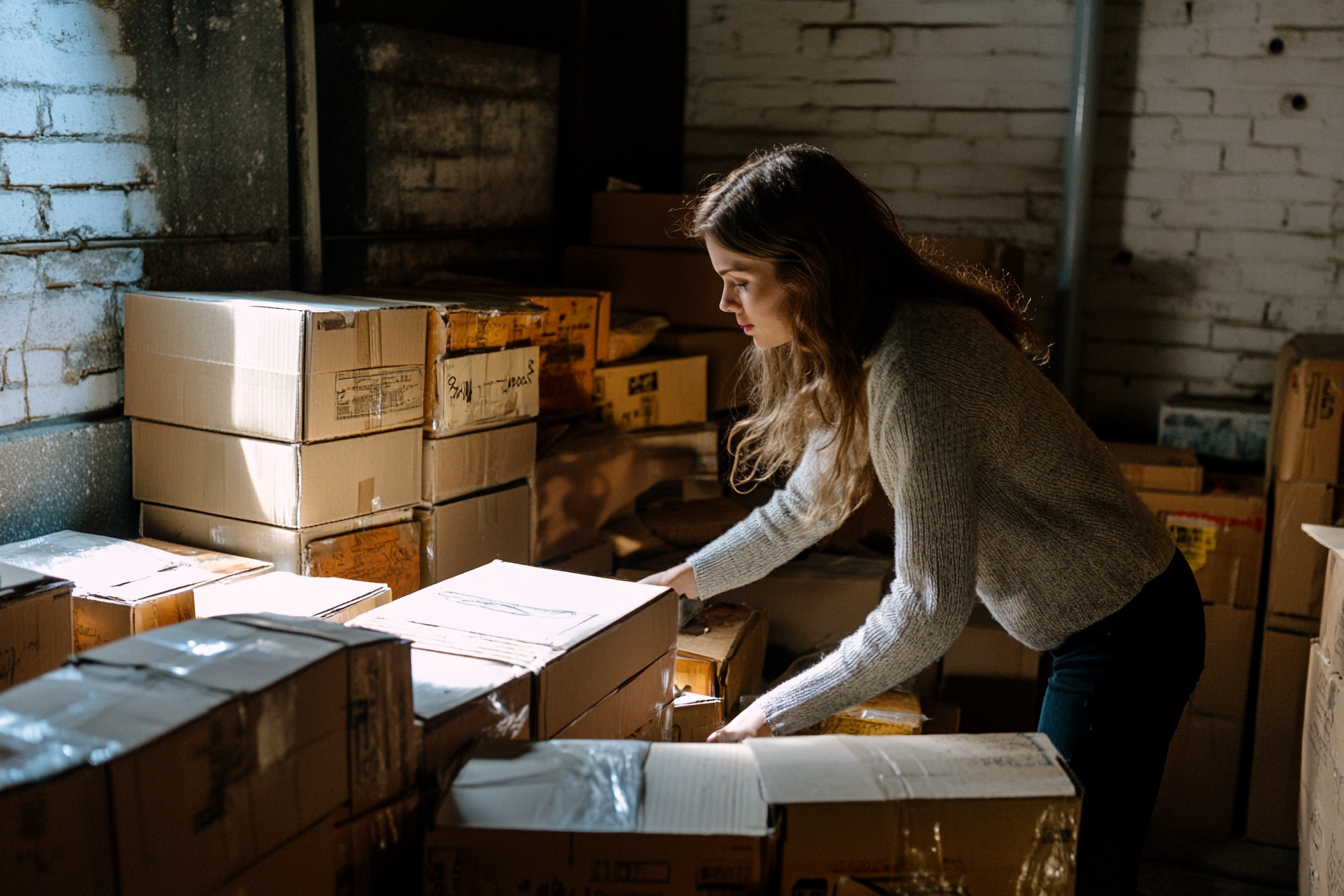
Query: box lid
column 703, row 789
column 1331, row 537
column 725, row 624
column 106, row 567
column 511, row 613
column 839, row 768
column 296, row 595
column 441, row 682
column 216, row 653
column 15, row 581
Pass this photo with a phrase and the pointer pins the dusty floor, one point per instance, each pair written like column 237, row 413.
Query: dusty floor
column 1174, row 865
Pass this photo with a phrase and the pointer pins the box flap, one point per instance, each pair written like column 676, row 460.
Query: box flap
column 842, row 768
column 296, row 595
column 312, row 628
column 724, row 625
column 209, row 560
column 1331, row 537
column 702, row 789
column 15, row 580
column 106, row 567
column 558, row 785
column 215, row 653
column 441, row 682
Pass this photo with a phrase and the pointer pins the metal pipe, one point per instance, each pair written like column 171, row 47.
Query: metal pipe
column 1073, row 227
column 303, row 55
column 76, row 243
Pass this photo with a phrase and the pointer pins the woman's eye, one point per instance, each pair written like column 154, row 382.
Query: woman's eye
column 741, row 285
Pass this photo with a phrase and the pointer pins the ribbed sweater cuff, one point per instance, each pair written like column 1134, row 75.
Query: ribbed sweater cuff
column 715, row 570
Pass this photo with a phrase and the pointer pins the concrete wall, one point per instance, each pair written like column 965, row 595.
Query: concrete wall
column 1218, row 229
column 151, row 120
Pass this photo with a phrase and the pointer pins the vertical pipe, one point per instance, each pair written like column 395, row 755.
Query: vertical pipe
column 1077, row 194
column 303, row 54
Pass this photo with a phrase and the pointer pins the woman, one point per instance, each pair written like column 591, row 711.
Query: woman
column 872, row 360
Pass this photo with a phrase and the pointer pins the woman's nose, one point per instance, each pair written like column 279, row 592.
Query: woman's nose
column 727, row 303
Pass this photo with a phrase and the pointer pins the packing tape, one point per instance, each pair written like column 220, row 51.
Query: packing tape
column 366, row 493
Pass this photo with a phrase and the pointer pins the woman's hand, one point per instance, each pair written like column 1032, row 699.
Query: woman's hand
column 680, row 578
column 749, row 723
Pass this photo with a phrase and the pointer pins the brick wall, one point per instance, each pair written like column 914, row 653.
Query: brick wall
column 74, row 160
column 1217, row 222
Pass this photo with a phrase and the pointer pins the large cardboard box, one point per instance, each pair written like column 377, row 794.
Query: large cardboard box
column 1308, row 391
column 622, row 218
column 679, row 284
column 462, row 699
column 469, row 532
column 1332, row 603
column 989, row 814
column 279, row 484
column 582, row 636
column 36, row 627
column 289, row 869
column 629, row 708
column 1296, row 561
column 378, row 852
column 484, row 389
column 1271, row 809
column 477, row 461
column 1221, row 536
column 985, row 650
column 1320, row 817
column 70, row 848
column 575, row 323
column 602, row 816
column 335, row 600
column 695, row 717
column 120, row 588
column 816, row 602
column 640, row 393
column 721, row 653
column 380, row 547
column 282, row 366
column 1155, row 468
column 724, row 351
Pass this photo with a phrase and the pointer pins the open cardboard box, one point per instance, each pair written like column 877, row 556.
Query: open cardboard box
column 721, row 653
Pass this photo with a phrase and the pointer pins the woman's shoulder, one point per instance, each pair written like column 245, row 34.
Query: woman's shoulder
column 927, row 336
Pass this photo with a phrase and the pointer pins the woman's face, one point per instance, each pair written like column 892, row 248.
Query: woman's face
column 753, row 295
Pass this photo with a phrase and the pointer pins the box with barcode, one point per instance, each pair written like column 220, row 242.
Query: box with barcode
column 652, row 392
column 1222, row 537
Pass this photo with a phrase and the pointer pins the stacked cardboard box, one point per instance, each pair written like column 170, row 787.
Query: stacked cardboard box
column 121, row 588
column 36, row 624
column 158, row 767
column 600, row 652
column 1304, row 460
column 280, row 426
column 1221, row 533
column 791, row 815
column 721, row 654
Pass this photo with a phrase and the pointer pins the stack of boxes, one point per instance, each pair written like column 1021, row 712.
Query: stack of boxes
column 1304, row 477
column 280, row 426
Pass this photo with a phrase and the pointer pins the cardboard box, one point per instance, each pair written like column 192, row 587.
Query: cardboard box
column 1221, row 536
column 630, row 707
column 282, row 366
column 1332, row 604
column 641, row 219
column 679, row 284
column 1276, row 759
column 602, row 816
column 569, row 348
column 470, row 532
column 36, row 624
column 582, row 636
column 1199, row 784
column 484, row 389
column 725, row 655
column 1219, row 427
column 233, row 568
column 1000, row 808
column 289, row 869
column 693, row 523
column 695, row 717
column 1157, row 469
column 585, row 481
column 335, row 600
column 889, row 713
column 1229, row 634
column 657, row 730
column 381, row 547
column 1320, row 820
column 280, row 484
column 985, row 650
column 640, row 393
column 1296, row 562
column 378, row 852
column 851, row 588
column 120, row 588
column 597, row 559
column 1305, row 409
column 466, row 320
column 477, row 461
column 724, row 350
column 462, row 699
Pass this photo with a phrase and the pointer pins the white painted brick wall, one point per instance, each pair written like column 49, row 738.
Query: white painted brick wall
column 74, row 160
column 1218, row 224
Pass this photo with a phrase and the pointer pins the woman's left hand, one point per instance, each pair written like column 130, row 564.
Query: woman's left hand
column 749, row 723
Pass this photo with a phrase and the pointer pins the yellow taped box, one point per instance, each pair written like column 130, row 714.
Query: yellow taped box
column 892, row 712
column 721, row 653
column 1222, row 538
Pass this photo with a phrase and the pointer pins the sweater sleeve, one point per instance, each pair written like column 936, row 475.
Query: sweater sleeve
column 771, row 536
column 924, row 452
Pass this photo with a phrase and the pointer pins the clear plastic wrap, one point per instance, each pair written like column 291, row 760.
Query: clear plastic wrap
column 558, row 785
column 32, row 749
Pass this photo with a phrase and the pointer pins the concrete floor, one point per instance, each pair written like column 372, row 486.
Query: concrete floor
column 1176, row 865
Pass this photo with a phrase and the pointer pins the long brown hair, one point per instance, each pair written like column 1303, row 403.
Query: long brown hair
column 845, row 265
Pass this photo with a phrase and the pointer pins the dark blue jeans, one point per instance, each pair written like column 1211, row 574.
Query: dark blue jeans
column 1111, row 708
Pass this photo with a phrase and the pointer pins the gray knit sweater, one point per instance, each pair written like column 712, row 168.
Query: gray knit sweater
column 1002, row 494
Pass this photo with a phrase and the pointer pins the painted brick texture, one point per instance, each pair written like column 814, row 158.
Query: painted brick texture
column 1217, row 222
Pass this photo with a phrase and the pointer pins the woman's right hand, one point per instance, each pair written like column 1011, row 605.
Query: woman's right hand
column 680, row 578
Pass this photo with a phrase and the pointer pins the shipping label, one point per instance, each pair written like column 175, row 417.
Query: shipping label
column 378, row 393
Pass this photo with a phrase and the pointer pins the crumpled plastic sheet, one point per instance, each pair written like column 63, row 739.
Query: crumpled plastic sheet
column 32, row 749
column 557, row 785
